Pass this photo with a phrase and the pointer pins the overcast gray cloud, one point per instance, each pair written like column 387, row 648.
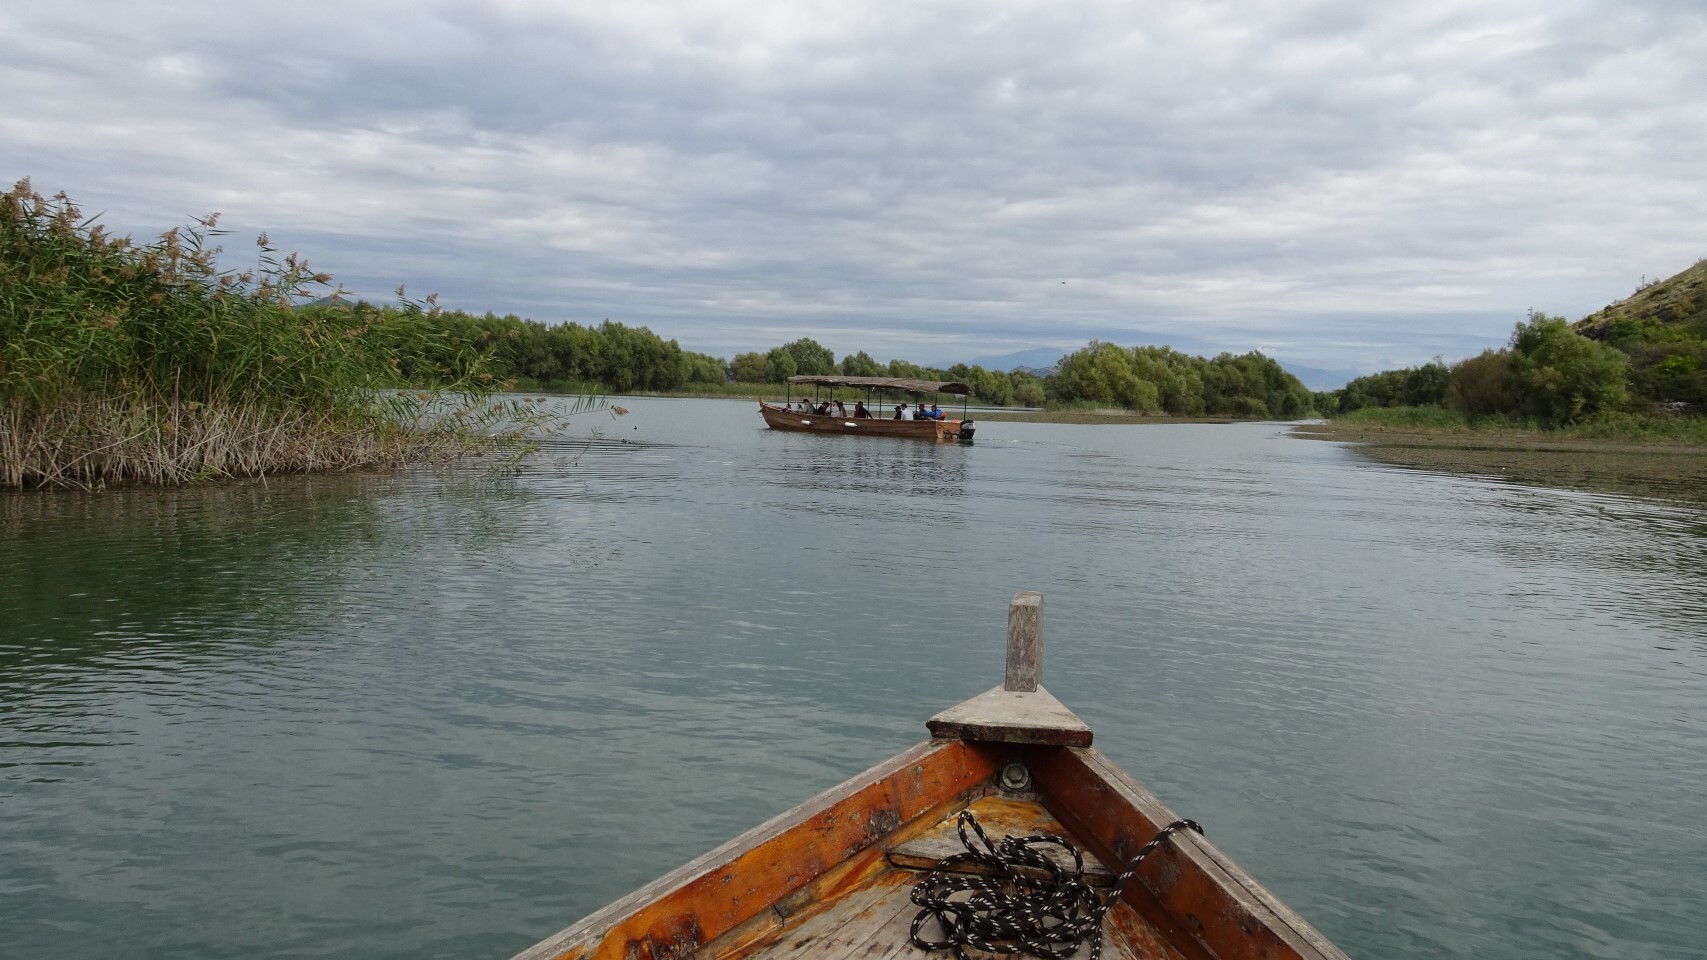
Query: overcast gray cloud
column 1339, row 184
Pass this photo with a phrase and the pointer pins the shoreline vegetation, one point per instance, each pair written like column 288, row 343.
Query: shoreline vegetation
column 128, row 362
column 768, row 392
column 124, row 362
column 1664, row 458
column 615, row 359
column 1611, row 402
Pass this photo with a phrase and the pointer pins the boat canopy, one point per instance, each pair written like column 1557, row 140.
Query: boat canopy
column 888, row 383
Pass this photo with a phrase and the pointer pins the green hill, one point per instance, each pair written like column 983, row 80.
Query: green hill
column 1662, row 328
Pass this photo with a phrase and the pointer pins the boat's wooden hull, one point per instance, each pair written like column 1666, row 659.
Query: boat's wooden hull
column 782, row 418
column 829, row 878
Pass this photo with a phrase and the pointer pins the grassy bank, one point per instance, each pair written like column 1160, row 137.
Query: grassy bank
column 1437, row 422
column 125, row 362
column 1657, row 457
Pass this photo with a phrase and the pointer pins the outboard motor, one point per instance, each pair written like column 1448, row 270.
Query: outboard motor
column 966, row 431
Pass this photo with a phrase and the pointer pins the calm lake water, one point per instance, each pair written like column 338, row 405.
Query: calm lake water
column 445, row 712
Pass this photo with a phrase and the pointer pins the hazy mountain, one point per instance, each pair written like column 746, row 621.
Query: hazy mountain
column 1318, row 379
column 1035, row 359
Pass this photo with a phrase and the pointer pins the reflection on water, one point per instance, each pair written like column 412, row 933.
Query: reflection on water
column 444, row 711
column 828, row 467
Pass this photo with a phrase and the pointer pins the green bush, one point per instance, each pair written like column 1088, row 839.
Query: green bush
column 1560, row 376
column 1481, row 386
column 1159, row 379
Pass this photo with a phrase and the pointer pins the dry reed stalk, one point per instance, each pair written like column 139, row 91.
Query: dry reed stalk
column 87, row 444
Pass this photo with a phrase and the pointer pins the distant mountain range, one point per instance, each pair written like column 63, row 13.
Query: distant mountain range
column 1318, row 379
column 1038, row 360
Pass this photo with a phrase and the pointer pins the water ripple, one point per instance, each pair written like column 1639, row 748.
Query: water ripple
column 447, row 710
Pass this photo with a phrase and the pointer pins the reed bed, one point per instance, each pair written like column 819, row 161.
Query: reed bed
column 125, row 362
column 90, row 443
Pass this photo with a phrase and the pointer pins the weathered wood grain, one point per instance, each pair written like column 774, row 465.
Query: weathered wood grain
column 1006, row 716
column 1025, row 642
column 1188, row 889
column 849, row 928
column 875, row 924
column 1000, row 817
column 675, row 916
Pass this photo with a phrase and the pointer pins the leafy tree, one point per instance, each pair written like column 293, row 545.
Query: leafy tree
column 990, row 386
column 1560, row 376
column 1087, row 374
column 703, row 368
column 1152, row 379
column 1029, row 390
column 901, row 368
column 779, row 365
column 1481, row 385
column 811, row 357
column 861, row 365
column 1411, row 387
column 1425, row 386
column 749, row 368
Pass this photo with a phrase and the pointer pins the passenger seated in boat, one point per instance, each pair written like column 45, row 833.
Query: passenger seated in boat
column 936, row 412
column 906, row 412
column 841, row 410
column 860, row 412
column 824, row 409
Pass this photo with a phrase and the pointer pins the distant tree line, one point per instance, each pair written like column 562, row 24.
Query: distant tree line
column 617, row 358
column 1547, row 372
column 611, row 356
column 808, row 357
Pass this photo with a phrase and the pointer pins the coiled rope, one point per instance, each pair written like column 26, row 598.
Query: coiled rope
column 1014, row 910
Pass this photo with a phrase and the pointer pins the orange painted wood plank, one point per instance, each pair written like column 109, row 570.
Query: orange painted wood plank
column 676, row 915
column 1000, row 817
column 1213, row 902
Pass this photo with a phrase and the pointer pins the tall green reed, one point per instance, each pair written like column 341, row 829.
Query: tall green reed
column 151, row 362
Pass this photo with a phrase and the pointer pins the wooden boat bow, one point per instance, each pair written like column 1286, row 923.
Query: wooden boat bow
column 830, row 879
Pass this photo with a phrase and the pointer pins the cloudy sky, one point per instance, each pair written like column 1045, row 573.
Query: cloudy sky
column 1344, row 185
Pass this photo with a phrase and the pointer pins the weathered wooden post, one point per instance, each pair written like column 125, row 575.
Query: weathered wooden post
column 1020, row 710
column 1025, row 642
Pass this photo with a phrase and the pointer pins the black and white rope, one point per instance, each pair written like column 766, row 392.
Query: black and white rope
column 1020, row 900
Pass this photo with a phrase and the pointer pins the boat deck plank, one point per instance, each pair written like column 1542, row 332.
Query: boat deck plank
column 1000, row 817
column 874, row 922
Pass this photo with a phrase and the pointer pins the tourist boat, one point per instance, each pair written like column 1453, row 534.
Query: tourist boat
column 833, row 879
column 877, row 425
